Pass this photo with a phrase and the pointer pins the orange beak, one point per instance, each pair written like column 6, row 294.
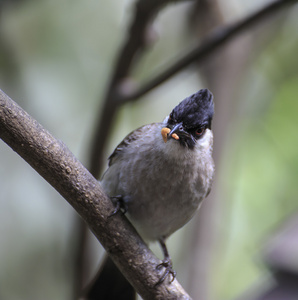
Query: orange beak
column 165, row 134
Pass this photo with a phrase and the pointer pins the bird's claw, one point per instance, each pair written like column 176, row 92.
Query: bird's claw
column 166, row 263
column 121, row 206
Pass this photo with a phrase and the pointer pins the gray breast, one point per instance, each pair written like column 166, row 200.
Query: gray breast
column 164, row 194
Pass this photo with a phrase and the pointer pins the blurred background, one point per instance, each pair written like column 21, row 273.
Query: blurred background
column 56, row 59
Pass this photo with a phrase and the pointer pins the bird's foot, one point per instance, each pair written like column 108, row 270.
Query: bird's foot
column 121, row 205
column 166, row 263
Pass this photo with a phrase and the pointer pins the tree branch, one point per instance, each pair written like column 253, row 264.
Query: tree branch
column 207, row 46
column 57, row 165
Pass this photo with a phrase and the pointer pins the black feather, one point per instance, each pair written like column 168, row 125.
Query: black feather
column 194, row 111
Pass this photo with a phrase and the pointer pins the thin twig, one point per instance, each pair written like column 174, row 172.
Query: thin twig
column 207, row 46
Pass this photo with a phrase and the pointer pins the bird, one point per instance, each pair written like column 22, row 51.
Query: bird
column 160, row 173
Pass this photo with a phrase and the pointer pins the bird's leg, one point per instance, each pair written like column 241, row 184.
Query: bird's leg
column 120, row 205
column 167, row 263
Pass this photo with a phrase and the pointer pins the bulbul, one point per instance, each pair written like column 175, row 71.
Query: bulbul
column 161, row 172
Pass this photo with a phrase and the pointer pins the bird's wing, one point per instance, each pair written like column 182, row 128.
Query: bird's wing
column 126, row 142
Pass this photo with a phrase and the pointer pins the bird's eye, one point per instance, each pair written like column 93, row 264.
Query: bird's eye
column 200, row 131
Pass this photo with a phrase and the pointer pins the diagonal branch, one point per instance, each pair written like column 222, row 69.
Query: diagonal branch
column 56, row 164
column 208, row 45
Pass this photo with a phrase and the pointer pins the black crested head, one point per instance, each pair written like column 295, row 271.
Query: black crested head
column 191, row 118
column 194, row 111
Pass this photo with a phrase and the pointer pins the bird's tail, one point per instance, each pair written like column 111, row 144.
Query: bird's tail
column 109, row 284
